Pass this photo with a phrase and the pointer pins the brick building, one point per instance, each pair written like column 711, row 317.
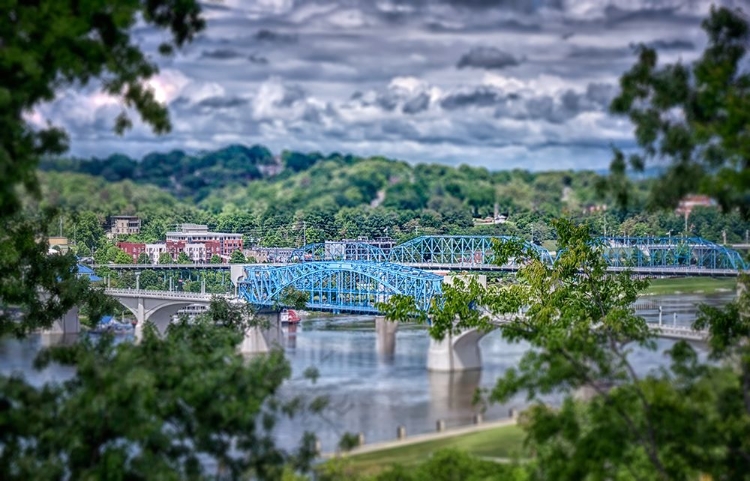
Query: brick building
column 199, row 233
column 133, row 249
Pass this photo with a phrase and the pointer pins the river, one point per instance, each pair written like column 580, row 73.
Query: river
column 373, row 391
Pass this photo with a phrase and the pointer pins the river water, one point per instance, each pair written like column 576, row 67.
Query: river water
column 373, row 389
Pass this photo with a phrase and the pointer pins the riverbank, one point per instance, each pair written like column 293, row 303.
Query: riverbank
column 691, row 285
column 501, row 440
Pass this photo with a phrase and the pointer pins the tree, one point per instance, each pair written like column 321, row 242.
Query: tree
column 143, row 258
column 580, row 324
column 694, row 115
column 165, row 258
column 215, row 259
column 237, row 257
column 48, row 46
column 192, row 407
column 87, row 230
column 121, row 257
column 183, row 258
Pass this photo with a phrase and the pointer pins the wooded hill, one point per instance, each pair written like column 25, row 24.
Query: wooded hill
column 311, row 196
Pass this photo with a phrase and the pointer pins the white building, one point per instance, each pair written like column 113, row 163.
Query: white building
column 199, row 233
column 195, row 251
column 153, row 251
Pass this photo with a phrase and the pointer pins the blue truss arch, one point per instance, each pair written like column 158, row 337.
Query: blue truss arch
column 455, row 250
column 340, row 286
column 337, row 251
column 669, row 252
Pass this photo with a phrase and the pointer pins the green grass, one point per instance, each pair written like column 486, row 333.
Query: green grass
column 501, row 442
column 691, row 285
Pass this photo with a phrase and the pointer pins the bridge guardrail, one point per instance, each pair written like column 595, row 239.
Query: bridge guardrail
column 170, row 294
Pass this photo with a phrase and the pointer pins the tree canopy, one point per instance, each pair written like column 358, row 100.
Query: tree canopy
column 183, row 406
column 47, row 46
column 696, row 116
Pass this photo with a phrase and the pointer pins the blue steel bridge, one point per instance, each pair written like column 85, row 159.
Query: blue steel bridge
column 353, row 276
column 339, row 286
column 654, row 255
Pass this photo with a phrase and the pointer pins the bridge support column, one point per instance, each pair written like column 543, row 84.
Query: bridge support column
column 67, row 324
column 385, row 339
column 265, row 336
column 140, row 318
column 64, row 330
column 456, row 353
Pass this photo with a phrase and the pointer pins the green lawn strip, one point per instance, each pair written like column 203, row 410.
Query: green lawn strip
column 501, row 442
column 691, row 285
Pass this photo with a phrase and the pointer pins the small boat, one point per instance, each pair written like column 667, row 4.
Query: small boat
column 290, row 316
column 109, row 324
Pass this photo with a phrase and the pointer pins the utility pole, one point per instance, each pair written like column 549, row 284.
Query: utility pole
column 304, row 233
column 60, row 226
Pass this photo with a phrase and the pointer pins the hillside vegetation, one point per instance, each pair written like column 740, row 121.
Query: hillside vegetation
column 296, row 197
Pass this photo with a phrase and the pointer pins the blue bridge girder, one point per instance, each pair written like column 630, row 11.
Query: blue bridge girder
column 339, row 286
column 681, row 256
column 462, row 250
column 669, row 252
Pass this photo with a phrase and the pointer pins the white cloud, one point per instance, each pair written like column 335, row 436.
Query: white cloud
column 400, row 57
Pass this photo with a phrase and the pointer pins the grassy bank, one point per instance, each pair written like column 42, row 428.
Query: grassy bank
column 500, row 442
column 691, row 285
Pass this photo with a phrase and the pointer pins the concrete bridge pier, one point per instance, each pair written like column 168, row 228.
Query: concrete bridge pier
column 456, row 352
column 64, row 330
column 264, row 336
column 385, row 337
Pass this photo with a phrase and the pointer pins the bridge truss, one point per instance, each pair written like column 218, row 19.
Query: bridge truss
column 339, row 286
column 455, row 250
column 338, row 251
column 666, row 252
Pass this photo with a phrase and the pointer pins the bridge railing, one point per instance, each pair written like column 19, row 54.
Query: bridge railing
column 161, row 294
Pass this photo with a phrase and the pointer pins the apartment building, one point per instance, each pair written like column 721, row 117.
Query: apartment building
column 199, row 233
column 124, row 225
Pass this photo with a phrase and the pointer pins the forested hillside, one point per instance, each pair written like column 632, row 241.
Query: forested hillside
column 298, row 197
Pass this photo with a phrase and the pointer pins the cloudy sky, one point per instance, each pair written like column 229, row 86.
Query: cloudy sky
column 498, row 83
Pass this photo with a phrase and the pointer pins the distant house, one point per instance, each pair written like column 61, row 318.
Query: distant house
column 490, row 220
column 689, row 202
column 124, row 225
column 593, row 208
column 58, row 245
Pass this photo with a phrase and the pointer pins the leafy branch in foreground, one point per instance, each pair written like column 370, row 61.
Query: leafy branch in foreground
column 669, row 422
column 185, row 406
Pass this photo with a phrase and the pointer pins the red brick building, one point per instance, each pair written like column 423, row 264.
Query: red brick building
column 213, row 247
column 133, row 249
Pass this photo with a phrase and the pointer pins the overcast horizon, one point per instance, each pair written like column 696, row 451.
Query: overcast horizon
column 501, row 84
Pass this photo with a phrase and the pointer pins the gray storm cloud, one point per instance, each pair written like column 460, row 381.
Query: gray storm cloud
column 500, row 83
